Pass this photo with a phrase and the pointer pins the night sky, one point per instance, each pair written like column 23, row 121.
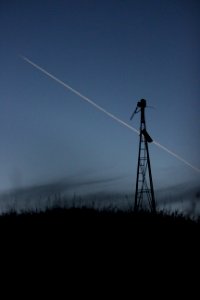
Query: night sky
column 115, row 53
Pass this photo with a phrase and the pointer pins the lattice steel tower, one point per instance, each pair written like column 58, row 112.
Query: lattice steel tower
column 144, row 192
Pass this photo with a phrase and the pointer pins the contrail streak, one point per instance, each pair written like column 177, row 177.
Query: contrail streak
column 79, row 94
column 106, row 112
column 177, row 156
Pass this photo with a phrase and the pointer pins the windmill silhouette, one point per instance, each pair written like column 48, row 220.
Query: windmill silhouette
column 144, row 192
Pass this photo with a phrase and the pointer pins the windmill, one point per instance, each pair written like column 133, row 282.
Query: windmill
column 144, row 192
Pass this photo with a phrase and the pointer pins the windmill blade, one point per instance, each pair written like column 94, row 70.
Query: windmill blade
column 135, row 111
column 150, row 106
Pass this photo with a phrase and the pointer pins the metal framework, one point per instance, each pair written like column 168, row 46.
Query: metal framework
column 144, row 192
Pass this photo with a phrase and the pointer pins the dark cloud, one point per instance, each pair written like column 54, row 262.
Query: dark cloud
column 37, row 196
column 183, row 198
column 76, row 191
column 178, row 193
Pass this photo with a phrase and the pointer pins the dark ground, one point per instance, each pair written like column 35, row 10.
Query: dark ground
column 101, row 249
column 95, row 224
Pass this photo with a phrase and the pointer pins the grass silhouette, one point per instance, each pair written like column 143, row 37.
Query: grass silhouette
column 108, row 216
column 79, row 235
column 94, row 219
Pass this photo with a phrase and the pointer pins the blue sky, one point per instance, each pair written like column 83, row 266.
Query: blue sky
column 114, row 52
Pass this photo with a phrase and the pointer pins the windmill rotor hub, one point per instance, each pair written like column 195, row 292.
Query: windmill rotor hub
column 141, row 103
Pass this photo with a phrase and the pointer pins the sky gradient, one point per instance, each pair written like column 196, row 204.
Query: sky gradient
column 115, row 53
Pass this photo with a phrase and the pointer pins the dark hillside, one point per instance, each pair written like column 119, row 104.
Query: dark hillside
column 86, row 221
column 103, row 239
